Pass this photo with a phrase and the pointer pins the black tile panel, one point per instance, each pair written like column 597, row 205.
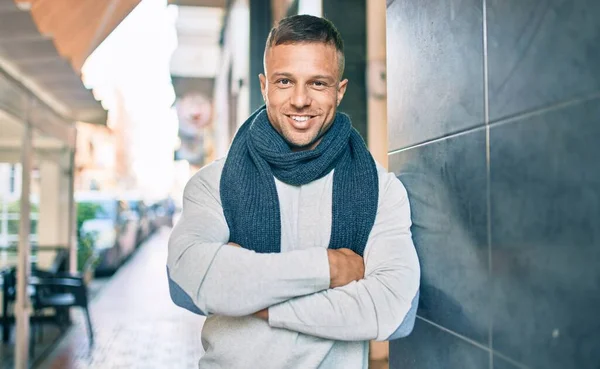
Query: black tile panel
column 545, row 212
column 429, row 347
column 435, row 69
column 354, row 102
column 446, row 184
column 541, row 53
column 352, row 24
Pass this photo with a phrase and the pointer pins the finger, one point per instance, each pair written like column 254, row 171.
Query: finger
column 234, row 244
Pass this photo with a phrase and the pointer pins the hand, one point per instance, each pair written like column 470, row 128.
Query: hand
column 233, row 244
column 263, row 314
column 345, row 266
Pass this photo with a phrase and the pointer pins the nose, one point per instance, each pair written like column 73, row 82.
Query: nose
column 300, row 98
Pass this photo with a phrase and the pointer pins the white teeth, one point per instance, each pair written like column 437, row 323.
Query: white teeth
column 302, row 118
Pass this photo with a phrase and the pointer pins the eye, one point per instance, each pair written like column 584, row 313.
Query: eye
column 319, row 85
column 284, row 82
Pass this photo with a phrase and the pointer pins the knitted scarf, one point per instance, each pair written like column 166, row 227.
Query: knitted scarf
column 258, row 153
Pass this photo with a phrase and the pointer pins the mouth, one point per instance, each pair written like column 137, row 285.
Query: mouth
column 300, row 121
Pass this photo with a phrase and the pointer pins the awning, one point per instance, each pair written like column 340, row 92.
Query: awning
column 78, row 26
column 44, row 43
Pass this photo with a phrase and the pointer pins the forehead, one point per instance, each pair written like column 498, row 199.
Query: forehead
column 312, row 58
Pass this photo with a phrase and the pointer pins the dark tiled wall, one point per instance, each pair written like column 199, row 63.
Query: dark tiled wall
column 351, row 20
column 494, row 129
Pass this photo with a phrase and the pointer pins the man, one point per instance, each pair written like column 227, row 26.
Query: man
column 297, row 246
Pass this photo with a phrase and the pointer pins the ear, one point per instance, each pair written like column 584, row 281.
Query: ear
column 341, row 90
column 263, row 85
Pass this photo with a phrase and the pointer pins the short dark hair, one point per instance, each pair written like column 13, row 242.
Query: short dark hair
column 307, row 28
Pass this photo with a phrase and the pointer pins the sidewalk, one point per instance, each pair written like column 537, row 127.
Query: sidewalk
column 135, row 323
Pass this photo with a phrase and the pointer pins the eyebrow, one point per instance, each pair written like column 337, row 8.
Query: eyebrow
column 318, row 76
column 322, row 76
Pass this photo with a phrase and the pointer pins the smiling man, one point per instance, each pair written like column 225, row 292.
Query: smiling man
column 302, row 87
column 297, row 246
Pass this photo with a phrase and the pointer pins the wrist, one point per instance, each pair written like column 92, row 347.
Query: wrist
column 333, row 266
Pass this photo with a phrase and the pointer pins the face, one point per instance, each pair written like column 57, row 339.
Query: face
column 302, row 90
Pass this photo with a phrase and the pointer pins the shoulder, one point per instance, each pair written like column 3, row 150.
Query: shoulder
column 206, row 180
column 391, row 189
column 210, row 172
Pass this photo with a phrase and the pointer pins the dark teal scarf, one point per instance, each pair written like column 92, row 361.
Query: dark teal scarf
column 249, row 196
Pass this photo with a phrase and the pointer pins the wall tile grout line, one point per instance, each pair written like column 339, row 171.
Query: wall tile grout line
column 511, row 361
column 464, row 338
column 438, row 139
column 474, row 343
column 488, row 192
column 547, row 109
column 505, row 120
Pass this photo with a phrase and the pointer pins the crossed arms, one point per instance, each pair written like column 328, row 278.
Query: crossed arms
column 315, row 291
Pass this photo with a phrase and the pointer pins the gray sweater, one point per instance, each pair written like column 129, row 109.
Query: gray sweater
column 310, row 325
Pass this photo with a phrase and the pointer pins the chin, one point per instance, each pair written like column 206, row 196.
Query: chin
column 300, row 144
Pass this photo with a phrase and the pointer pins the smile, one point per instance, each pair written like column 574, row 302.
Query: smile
column 300, row 122
column 300, row 118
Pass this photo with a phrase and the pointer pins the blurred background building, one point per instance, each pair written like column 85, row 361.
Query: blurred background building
column 194, row 66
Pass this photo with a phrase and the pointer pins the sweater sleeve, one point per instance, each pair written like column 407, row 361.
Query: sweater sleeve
column 207, row 276
column 381, row 306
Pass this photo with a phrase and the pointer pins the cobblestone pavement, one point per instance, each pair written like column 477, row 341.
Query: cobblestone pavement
column 135, row 323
